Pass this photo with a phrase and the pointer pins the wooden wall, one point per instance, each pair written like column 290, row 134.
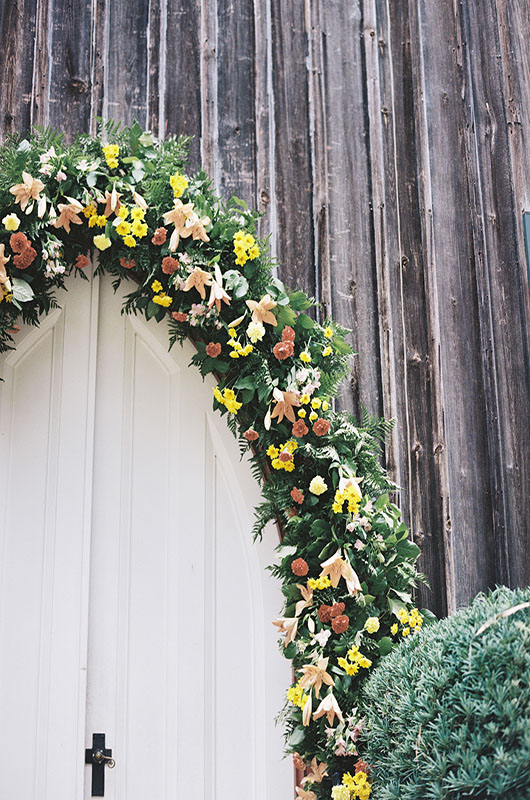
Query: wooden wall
column 387, row 143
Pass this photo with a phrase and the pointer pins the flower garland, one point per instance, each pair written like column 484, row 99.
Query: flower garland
column 345, row 560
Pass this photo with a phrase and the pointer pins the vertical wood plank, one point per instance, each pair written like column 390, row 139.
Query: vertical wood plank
column 236, row 99
column 343, row 193
column 501, row 292
column 181, row 75
column 292, row 144
column 126, row 79
column 17, row 32
column 265, row 176
column 69, row 45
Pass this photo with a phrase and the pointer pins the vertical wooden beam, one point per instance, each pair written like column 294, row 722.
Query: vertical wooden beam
column 17, row 31
column 501, row 290
column 292, row 145
column 126, row 80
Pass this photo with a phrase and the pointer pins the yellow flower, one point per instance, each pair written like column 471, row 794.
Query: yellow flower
column 137, row 213
column 325, row 405
column 316, row 402
column 302, row 412
column 304, row 399
column 340, row 793
column 403, row 616
column 318, row 485
column 272, row 451
column 394, row 629
column 102, row 242
column 129, row 241
column 371, row 625
column 163, row 299
column 11, row 222
column 156, row 286
column 89, row 211
column 405, row 631
column 123, row 228
column 328, row 333
column 217, row 394
column 234, row 354
column 232, row 333
column 253, row 252
column 319, row 583
column 111, row 152
column 178, row 183
column 313, row 416
column 139, row 228
column 305, row 357
column 327, row 351
column 123, row 212
column 96, row 221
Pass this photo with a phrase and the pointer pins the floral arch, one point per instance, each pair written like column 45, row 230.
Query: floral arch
column 345, row 561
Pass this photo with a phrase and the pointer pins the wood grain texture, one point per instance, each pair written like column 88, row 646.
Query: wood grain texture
column 387, row 145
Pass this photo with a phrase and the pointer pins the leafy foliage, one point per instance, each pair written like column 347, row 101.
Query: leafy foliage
column 448, row 713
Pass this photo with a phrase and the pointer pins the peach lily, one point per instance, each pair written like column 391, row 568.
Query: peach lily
column 289, row 626
column 261, row 312
column 68, row 214
column 318, row 771
column 307, row 594
column 217, row 292
column 330, row 708
column 316, row 675
column 285, row 401
column 307, row 710
column 303, row 795
column 198, row 279
column 112, row 202
column 4, row 278
column 337, row 567
column 29, row 190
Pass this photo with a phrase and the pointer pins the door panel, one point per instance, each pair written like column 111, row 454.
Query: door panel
column 137, row 493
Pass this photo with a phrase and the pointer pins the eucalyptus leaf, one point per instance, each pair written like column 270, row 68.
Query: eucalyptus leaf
column 22, row 291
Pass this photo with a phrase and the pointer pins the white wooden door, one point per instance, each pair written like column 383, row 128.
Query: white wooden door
column 132, row 600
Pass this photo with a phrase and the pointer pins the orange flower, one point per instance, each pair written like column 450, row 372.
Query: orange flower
column 81, row 261
column 179, row 316
column 321, row 427
column 18, row 242
column 318, row 771
column 288, row 334
column 169, row 265
column 261, row 312
column 251, row 435
column 336, row 610
column 300, row 428
column 24, row 259
column 159, row 236
column 324, row 613
column 127, row 263
column 213, row 349
column 112, row 202
column 283, row 350
column 300, row 567
column 297, row 495
column 340, row 623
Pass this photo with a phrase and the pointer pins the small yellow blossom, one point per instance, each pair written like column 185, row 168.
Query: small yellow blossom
column 123, row 228
column 371, row 625
column 102, row 242
column 89, row 211
column 323, row 582
column 305, row 399
column 156, row 286
column 217, row 394
column 325, row 405
column 394, row 629
column 232, row 333
column 328, row 333
column 403, row 616
column 327, row 351
column 316, row 402
column 318, row 485
column 179, row 184
column 137, row 213
column 305, row 357
column 163, row 299
column 111, row 152
column 11, row 222
column 139, row 229
column 405, row 631
column 123, row 212
column 129, row 241
column 349, row 494
column 313, row 416
column 340, row 793
column 302, row 412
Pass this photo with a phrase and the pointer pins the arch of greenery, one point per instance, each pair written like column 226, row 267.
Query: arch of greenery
column 345, row 561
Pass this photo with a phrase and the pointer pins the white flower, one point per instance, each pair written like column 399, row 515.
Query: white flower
column 255, row 331
column 321, row 638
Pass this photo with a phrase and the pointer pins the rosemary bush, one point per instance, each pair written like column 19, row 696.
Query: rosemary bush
column 448, row 712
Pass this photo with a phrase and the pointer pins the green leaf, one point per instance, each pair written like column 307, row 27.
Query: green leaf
column 151, row 310
column 290, row 650
column 92, row 178
column 385, row 645
column 381, row 502
column 22, row 291
column 146, row 139
column 246, row 382
column 305, row 322
column 285, row 316
column 297, row 736
column 299, row 301
column 405, row 596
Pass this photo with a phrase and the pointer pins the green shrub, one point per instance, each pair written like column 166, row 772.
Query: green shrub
column 448, row 713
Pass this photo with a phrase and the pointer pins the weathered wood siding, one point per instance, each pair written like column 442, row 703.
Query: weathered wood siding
column 388, row 145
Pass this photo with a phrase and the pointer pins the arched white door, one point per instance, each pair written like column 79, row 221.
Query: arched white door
column 132, row 600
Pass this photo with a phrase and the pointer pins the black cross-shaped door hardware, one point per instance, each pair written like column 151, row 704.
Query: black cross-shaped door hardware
column 98, row 756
